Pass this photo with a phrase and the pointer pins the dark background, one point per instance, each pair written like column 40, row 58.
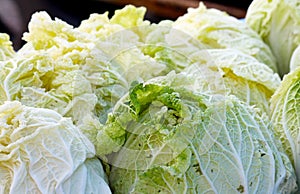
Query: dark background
column 15, row 14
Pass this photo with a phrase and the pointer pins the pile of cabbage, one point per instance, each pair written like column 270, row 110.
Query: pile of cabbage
column 206, row 103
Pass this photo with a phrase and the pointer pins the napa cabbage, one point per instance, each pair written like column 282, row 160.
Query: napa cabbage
column 43, row 152
column 180, row 141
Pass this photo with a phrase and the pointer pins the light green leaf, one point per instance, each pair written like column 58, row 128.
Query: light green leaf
column 285, row 111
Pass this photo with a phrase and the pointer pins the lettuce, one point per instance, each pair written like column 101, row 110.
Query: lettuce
column 278, row 24
column 43, row 152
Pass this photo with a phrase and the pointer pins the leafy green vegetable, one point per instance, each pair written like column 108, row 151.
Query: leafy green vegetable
column 216, row 29
column 278, row 24
column 174, row 107
column 43, row 152
column 179, row 141
column 285, row 115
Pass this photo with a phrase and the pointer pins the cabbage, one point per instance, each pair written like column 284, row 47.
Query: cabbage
column 43, row 152
column 180, row 141
column 82, row 72
column 285, row 116
column 211, row 71
column 174, row 107
column 278, row 24
column 216, row 29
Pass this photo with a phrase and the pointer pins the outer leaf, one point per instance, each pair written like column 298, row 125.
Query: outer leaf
column 286, row 115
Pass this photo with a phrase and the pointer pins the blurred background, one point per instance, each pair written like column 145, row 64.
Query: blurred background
column 15, row 14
